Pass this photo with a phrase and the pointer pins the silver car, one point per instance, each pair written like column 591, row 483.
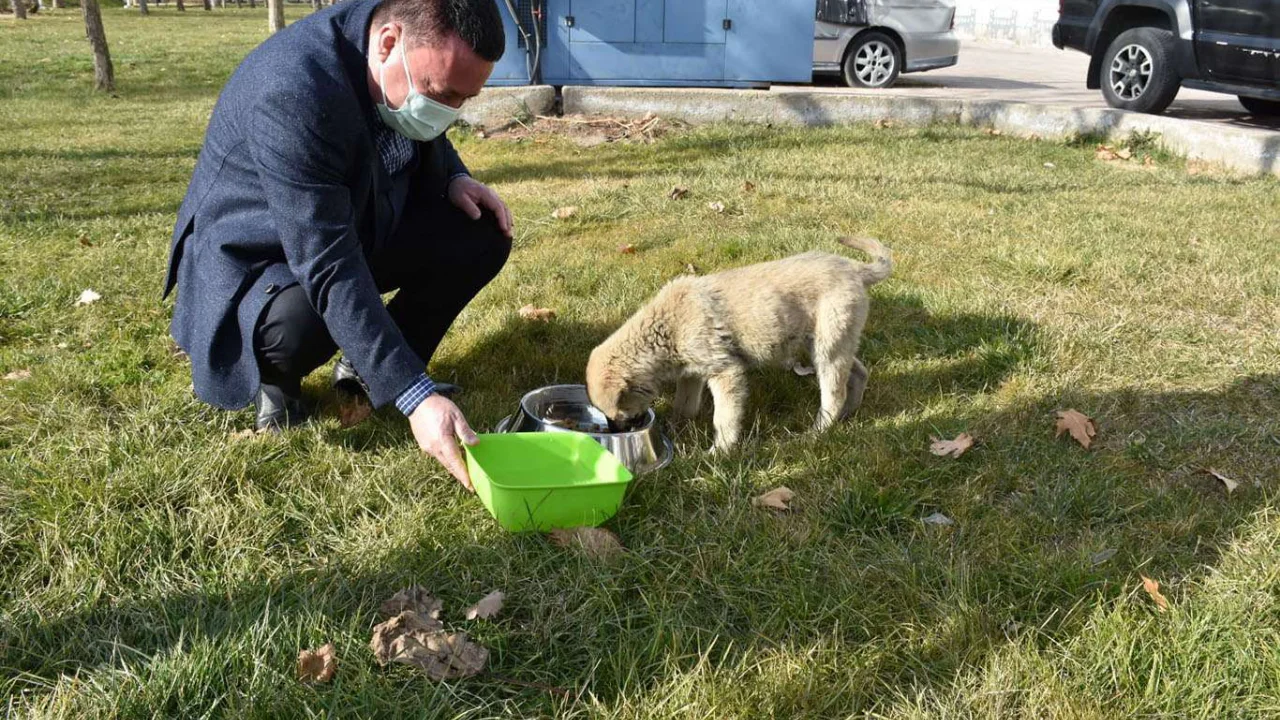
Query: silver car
column 870, row 42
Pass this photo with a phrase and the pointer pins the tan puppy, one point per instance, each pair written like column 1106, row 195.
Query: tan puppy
column 706, row 331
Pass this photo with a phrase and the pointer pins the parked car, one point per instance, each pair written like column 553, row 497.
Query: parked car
column 1143, row 51
column 871, row 42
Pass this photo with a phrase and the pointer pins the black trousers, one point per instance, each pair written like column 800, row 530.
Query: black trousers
column 437, row 272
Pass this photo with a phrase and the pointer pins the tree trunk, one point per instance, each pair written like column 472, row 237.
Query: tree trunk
column 208, row 5
column 104, row 77
column 20, row 9
column 315, row 4
column 59, row 4
column 142, row 7
column 275, row 15
column 181, row 6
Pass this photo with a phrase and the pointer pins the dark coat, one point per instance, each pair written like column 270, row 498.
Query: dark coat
column 286, row 190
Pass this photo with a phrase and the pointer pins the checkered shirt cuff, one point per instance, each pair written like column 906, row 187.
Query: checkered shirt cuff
column 412, row 397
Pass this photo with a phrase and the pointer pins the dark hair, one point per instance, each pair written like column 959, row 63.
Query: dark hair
column 477, row 22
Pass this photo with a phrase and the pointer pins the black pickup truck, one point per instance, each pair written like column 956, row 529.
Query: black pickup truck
column 1143, row 51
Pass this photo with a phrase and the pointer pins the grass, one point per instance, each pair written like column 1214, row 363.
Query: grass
column 152, row 566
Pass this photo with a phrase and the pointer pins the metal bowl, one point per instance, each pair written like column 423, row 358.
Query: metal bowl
column 642, row 449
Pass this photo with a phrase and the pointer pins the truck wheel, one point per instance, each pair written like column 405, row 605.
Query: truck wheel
column 1258, row 106
column 873, row 61
column 1138, row 71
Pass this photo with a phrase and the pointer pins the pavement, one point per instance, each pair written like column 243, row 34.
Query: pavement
column 1037, row 75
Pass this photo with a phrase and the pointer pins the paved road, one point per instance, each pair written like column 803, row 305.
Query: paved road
column 993, row 71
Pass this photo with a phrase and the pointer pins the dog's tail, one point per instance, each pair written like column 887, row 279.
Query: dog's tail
column 881, row 259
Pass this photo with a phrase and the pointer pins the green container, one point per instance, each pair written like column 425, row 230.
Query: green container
column 546, row 480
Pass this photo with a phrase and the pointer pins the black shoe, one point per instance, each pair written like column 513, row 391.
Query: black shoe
column 346, row 379
column 277, row 409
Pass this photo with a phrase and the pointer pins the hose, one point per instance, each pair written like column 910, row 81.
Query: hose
column 528, row 52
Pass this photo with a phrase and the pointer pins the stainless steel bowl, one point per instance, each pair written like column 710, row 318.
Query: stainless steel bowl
column 642, row 449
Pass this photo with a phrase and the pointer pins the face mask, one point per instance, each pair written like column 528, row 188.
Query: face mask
column 418, row 117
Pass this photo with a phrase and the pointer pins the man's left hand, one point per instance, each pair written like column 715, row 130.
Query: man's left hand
column 471, row 196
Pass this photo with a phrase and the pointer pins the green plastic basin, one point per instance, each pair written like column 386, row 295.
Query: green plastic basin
column 543, row 481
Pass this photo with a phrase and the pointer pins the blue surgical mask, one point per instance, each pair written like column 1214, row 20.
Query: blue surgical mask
column 418, row 117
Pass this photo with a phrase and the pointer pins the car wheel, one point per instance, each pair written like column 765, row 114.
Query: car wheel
column 1138, row 71
column 872, row 61
column 1258, row 106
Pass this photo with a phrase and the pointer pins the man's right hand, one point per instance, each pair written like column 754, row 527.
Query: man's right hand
column 438, row 425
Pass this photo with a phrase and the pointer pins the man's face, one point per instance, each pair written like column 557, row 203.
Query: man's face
column 448, row 71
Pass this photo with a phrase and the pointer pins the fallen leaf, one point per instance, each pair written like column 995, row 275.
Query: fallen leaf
column 1050, row 165
column 564, row 213
column 489, row 606
column 1079, row 425
column 84, row 241
column 995, row 131
column 884, row 123
column 803, row 370
column 1227, row 482
column 16, row 375
column 480, row 133
column 748, row 186
column 1148, row 161
column 678, row 192
column 422, row 642
column 939, row 519
column 595, row 542
column 317, row 665
column 88, row 297
column 776, row 499
column 414, row 598
column 954, row 448
column 1124, row 153
column 1153, row 589
column 691, row 269
column 1106, row 152
column 717, row 206
column 537, row 314
column 627, row 249
column 1102, row 556
column 243, row 434
column 353, row 410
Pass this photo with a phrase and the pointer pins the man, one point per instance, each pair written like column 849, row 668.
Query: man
column 325, row 180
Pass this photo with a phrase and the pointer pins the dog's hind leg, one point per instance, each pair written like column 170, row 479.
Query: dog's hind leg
column 688, row 399
column 837, row 329
column 729, row 394
column 857, row 385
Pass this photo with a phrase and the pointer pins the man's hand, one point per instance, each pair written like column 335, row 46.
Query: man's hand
column 470, row 196
column 438, row 425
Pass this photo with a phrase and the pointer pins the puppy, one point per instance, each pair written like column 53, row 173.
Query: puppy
column 706, row 331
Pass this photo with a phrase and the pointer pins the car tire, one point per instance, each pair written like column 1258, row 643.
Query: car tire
column 1138, row 71
column 873, row 60
column 1260, row 107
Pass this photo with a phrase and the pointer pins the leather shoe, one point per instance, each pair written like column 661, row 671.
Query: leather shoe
column 346, row 379
column 276, row 409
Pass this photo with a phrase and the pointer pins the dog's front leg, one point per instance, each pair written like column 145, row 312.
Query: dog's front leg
column 688, row 399
column 729, row 394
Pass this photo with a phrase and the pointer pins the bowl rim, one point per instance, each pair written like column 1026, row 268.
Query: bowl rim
column 650, row 420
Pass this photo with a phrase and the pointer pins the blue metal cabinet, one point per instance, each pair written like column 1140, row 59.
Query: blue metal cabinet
column 668, row 42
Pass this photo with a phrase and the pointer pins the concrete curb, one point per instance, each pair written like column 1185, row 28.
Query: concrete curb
column 497, row 107
column 1247, row 150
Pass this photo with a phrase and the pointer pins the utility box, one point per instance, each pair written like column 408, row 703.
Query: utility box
column 728, row 43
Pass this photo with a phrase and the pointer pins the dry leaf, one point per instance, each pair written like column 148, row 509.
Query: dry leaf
column 1153, row 589
column 1079, row 425
column 717, row 206
column 537, row 314
column 353, row 410
column 480, row 133
column 954, row 448
column 939, row 519
column 995, row 131
column 243, row 434
column 803, row 370
column 627, row 249
column 88, row 297
column 1102, row 556
column 1148, row 161
column 678, row 192
column 84, row 241
column 748, row 186
column 317, row 665
column 565, row 212
column 1227, row 482
column 412, row 639
column 489, row 606
column 776, row 499
column 883, row 123
column 691, row 269
column 595, row 542
column 22, row 374
column 1106, row 152
column 1050, row 165
column 1124, row 153
column 414, row 598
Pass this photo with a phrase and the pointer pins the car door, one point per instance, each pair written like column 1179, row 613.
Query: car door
column 1238, row 41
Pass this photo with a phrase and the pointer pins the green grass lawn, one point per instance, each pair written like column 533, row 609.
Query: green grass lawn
column 150, row 565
